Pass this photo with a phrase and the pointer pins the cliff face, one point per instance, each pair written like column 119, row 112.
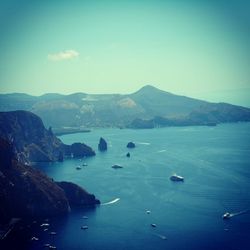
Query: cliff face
column 76, row 195
column 27, row 192
column 33, row 142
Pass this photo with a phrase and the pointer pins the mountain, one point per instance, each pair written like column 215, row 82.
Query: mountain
column 156, row 102
column 33, row 142
column 148, row 105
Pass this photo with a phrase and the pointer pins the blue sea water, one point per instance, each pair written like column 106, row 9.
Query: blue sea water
column 215, row 162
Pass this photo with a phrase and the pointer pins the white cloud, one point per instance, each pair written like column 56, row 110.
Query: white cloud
column 63, row 55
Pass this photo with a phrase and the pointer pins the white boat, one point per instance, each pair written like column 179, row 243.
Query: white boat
column 44, row 225
column 176, row 177
column 226, row 216
column 78, row 167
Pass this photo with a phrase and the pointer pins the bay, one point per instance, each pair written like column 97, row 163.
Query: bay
column 215, row 162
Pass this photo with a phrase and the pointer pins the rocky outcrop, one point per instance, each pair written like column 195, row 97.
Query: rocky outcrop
column 102, row 146
column 33, row 142
column 27, row 192
column 81, row 150
column 131, row 145
column 76, row 195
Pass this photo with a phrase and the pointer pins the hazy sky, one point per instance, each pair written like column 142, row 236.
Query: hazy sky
column 195, row 48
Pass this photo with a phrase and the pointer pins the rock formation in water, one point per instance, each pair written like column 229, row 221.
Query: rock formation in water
column 76, row 195
column 27, row 192
column 131, row 145
column 33, row 142
column 102, row 146
column 80, row 150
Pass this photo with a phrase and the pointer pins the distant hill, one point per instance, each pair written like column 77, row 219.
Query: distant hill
column 148, row 107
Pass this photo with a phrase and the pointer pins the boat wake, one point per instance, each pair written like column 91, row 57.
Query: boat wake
column 111, row 202
column 230, row 215
column 161, row 151
column 163, row 237
column 239, row 213
column 144, row 143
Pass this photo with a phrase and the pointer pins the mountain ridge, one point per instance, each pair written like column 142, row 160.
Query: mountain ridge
column 120, row 110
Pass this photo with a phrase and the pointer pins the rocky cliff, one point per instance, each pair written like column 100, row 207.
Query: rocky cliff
column 76, row 195
column 33, row 142
column 27, row 192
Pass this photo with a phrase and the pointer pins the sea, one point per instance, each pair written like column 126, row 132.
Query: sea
column 141, row 208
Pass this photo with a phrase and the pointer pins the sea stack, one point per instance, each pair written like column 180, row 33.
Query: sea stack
column 131, row 145
column 102, row 146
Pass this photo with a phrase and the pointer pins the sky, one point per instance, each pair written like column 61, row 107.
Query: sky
column 194, row 48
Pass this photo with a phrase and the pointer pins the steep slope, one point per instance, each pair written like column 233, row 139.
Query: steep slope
column 33, row 142
column 156, row 102
column 27, row 192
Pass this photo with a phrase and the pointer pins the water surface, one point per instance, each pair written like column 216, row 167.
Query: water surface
column 215, row 162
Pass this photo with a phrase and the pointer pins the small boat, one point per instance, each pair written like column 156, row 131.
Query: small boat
column 78, row 168
column 176, row 177
column 52, row 247
column 226, row 216
column 153, row 225
column 52, row 233
column 85, row 164
column 44, row 225
column 84, row 227
column 34, row 239
column 117, row 166
column 148, row 211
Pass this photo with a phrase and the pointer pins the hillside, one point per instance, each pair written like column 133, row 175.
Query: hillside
column 33, row 142
column 26, row 192
column 147, row 104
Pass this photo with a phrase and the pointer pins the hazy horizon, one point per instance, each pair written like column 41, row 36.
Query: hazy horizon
column 198, row 49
